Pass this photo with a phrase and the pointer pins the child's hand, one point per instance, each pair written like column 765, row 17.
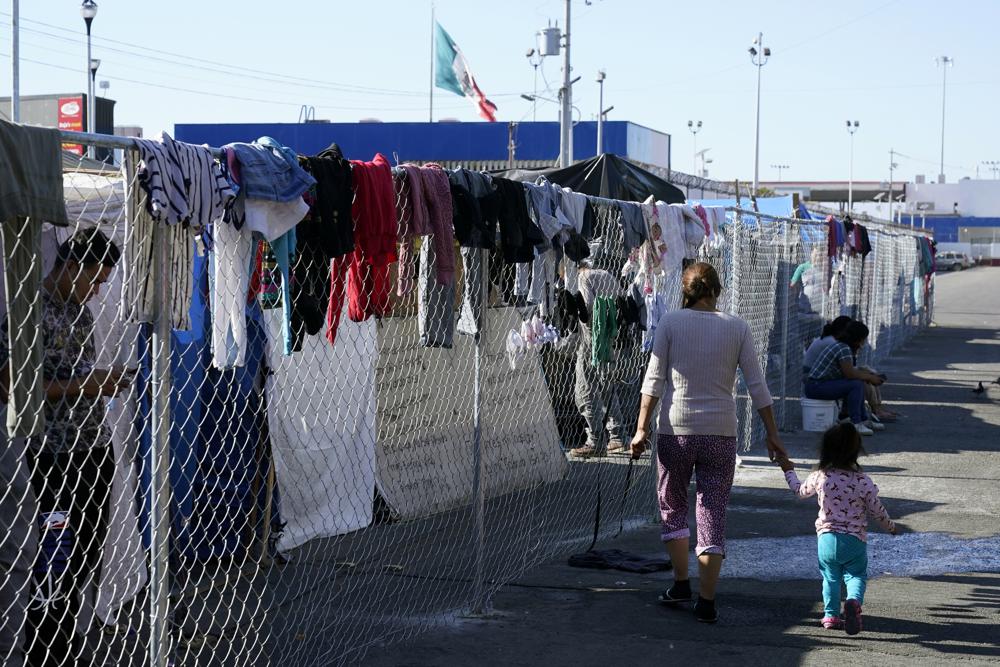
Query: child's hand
column 785, row 463
column 898, row 529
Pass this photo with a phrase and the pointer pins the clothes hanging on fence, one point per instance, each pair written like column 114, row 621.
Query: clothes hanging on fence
column 435, row 302
column 544, row 211
column 633, row 224
column 574, row 207
column 326, row 232
column 182, row 187
column 471, row 314
column 672, row 222
column 229, row 268
column 183, row 182
column 543, row 282
column 423, row 207
column 522, row 278
column 518, row 234
column 31, row 182
column 368, row 289
column 22, row 240
column 604, row 328
column 269, row 171
column 407, row 206
column 866, row 244
column 476, row 208
column 692, row 230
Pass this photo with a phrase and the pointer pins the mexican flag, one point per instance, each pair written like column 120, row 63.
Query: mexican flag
column 452, row 72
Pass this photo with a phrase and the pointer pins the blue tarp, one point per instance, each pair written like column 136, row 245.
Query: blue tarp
column 776, row 206
column 214, row 435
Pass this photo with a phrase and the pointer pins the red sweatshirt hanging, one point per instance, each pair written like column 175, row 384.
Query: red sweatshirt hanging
column 367, row 268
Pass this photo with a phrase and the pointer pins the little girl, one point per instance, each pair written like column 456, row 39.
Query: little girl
column 847, row 497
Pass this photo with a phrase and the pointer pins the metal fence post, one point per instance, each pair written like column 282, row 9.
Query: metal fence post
column 480, row 603
column 159, row 510
column 785, row 288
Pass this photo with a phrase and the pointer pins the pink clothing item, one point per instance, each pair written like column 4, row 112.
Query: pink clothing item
column 437, row 190
column 703, row 214
column 846, row 500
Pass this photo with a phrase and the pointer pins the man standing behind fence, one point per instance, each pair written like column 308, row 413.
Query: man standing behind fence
column 596, row 391
column 72, row 464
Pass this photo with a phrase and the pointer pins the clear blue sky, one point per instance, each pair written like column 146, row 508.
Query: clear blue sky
column 667, row 62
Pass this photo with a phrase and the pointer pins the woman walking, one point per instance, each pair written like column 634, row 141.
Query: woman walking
column 696, row 353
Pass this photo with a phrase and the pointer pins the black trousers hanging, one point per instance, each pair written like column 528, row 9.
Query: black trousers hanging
column 77, row 484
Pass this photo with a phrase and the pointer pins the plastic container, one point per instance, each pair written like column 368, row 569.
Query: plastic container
column 817, row 416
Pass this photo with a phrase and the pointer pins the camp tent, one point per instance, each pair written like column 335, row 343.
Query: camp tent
column 607, row 176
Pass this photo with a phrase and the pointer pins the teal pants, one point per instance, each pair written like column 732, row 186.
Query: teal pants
column 842, row 558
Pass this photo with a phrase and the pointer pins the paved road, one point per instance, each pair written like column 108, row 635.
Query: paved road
column 936, row 594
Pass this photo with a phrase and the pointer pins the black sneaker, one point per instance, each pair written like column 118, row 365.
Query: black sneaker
column 704, row 611
column 678, row 593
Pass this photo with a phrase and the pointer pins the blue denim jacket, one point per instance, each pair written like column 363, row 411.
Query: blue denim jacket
column 270, row 171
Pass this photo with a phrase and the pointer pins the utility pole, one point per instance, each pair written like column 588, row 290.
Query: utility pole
column 566, row 97
column 780, row 168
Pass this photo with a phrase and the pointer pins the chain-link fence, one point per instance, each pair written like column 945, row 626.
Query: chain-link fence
column 231, row 480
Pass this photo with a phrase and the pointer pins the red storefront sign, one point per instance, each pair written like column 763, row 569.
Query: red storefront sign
column 71, row 118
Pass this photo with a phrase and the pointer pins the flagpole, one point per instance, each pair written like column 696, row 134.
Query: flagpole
column 431, row 91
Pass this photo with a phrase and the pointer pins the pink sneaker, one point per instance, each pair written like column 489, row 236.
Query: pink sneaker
column 852, row 617
column 832, row 623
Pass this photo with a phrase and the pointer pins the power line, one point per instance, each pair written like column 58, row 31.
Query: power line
column 277, row 77
column 220, row 95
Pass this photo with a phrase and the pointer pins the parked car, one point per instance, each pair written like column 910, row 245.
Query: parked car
column 953, row 261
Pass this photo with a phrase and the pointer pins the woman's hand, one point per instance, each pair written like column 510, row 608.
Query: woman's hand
column 785, row 463
column 775, row 448
column 639, row 443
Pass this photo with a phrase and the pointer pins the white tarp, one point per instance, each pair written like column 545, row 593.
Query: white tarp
column 321, row 418
column 425, row 425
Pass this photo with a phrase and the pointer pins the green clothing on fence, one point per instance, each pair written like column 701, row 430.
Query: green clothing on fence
column 603, row 329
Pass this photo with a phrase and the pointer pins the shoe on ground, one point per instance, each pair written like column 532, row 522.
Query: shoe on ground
column 864, row 430
column 844, row 420
column 616, row 446
column 676, row 594
column 832, row 623
column 875, row 425
column 852, row 617
column 705, row 611
column 586, row 452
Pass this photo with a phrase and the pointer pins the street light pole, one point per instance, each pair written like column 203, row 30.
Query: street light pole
column 780, row 168
column 695, row 127
column 852, row 127
column 759, row 55
column 944, row 62
column 88, row 10
column 566, row 97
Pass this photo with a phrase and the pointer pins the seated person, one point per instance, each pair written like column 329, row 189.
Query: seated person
column 832, row 375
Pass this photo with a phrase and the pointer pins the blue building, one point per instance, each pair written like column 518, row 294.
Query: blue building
column 535, row 143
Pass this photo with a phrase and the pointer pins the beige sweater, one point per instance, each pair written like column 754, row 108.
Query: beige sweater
column 693, row 369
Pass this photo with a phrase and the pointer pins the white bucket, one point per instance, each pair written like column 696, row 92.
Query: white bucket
column 818, row 415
